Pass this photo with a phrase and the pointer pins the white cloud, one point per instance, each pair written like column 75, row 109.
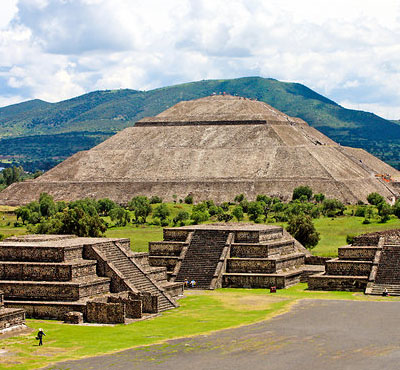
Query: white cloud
column 347, row 50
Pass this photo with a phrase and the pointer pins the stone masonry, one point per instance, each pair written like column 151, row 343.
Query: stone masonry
column 370, row 264
column 52, row 276
column 230, row 255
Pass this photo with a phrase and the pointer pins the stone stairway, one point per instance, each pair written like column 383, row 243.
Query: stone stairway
column 388, row 272
column 202, row 257
column 121, row 261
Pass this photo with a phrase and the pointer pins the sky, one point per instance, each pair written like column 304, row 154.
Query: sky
column 347, row 50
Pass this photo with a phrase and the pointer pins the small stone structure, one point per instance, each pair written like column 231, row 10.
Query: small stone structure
column 50, row 276
column 10, row 318
column 370, row 264
column 230, row 255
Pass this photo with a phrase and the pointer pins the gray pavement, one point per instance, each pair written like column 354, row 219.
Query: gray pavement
column 315, row 334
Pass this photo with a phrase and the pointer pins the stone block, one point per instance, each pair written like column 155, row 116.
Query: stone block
column 74, row 317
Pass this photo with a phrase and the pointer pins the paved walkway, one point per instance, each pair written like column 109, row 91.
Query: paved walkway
column 315, row 334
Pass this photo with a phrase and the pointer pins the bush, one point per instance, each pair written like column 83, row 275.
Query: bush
column 156, row 199
column 302, row 229
column 375, row 199
column 302, row 190
column 319, row 197
column 239, row 198
column 199, row 216
column 189, row 199
column 350, row 238
column 238, row 213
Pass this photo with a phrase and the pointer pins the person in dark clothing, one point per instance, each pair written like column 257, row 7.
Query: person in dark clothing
column 40, row 336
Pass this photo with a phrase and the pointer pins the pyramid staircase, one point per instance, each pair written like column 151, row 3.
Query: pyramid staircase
column 234, row 255
column 388, row 271
column 202, row 257
column 370, row 264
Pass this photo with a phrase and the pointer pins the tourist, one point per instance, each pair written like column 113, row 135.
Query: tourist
column 186, row 283
column 193, row 283
column 40, row 335
column 385, row 292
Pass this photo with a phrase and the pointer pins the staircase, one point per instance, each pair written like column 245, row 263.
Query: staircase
column 388, row 273
column 202, row 257
column 118, row 257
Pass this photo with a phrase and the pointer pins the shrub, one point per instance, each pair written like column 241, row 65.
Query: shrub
column 302, row 229
column 350, row 238
column 189, row 199
column 156, row 199
column 237, row 212
column 302, row 190
column 375, row 199
column 199, row 216
column 239, row 198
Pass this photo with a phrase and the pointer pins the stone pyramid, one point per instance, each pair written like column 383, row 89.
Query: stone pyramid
column 214, row 148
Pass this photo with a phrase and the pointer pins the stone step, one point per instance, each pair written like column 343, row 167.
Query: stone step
column 54, row 291
column 46, row 271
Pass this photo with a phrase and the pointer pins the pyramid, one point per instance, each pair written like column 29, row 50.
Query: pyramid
column 213, row 148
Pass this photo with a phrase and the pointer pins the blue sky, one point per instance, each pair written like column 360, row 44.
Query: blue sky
column 56, row 49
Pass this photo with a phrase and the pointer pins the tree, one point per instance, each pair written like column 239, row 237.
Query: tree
column 47, row 207
column 384, row 211
column 396, row 208
column 254, row 210
column 319, row 197
column 23, row 213
column 199, row 216
column 120, row 215
column 302, row 190
column 140, row 206
column 332, row 207
column 12, row 174
column 155, row 199
column 105, row 205
column 302, row 229
column 189, row 199
column 181, row 217
column 239, row 198
column 162, row 212
column 375, row 199
column 237, row 212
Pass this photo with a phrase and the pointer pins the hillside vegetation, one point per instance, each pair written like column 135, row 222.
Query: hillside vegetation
column 38, row 134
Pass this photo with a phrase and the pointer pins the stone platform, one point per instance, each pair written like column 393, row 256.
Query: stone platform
column 370, row 264
column 10, row 318
column 51, row 276
column 230, row 255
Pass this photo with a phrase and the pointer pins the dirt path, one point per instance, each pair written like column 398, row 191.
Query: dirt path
column 316, row 334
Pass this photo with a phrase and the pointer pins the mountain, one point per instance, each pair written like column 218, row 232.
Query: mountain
column 38, row 134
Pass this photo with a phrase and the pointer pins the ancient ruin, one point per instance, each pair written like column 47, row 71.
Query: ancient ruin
column 230, row 255
column 370, row 264
column 214, row 148
column 70, row 278
column 10, row 318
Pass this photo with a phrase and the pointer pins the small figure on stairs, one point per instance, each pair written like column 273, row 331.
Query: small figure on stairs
column 193, row 283
column 186, row 283
column 385, row 292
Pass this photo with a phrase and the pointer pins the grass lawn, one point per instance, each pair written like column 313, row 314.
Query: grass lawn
column 199, row 312
column 334, row 231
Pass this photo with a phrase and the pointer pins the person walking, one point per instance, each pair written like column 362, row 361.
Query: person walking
column 40, row 336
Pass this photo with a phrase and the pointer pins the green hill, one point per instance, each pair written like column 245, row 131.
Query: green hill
column 38, row 134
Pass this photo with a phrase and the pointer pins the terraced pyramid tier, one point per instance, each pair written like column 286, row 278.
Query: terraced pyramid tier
column 215, row 148
column 230, row 255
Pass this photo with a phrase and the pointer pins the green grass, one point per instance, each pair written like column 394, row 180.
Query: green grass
column 140, row 236
column 334, row 231
column 206, row 311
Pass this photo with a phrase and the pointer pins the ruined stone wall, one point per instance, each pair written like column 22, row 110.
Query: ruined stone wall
column 355, row 253
column 9, row 318
column 351, row 268
column 33, row 253
column 43, row 272
column 337, row 283
column 105, row 313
